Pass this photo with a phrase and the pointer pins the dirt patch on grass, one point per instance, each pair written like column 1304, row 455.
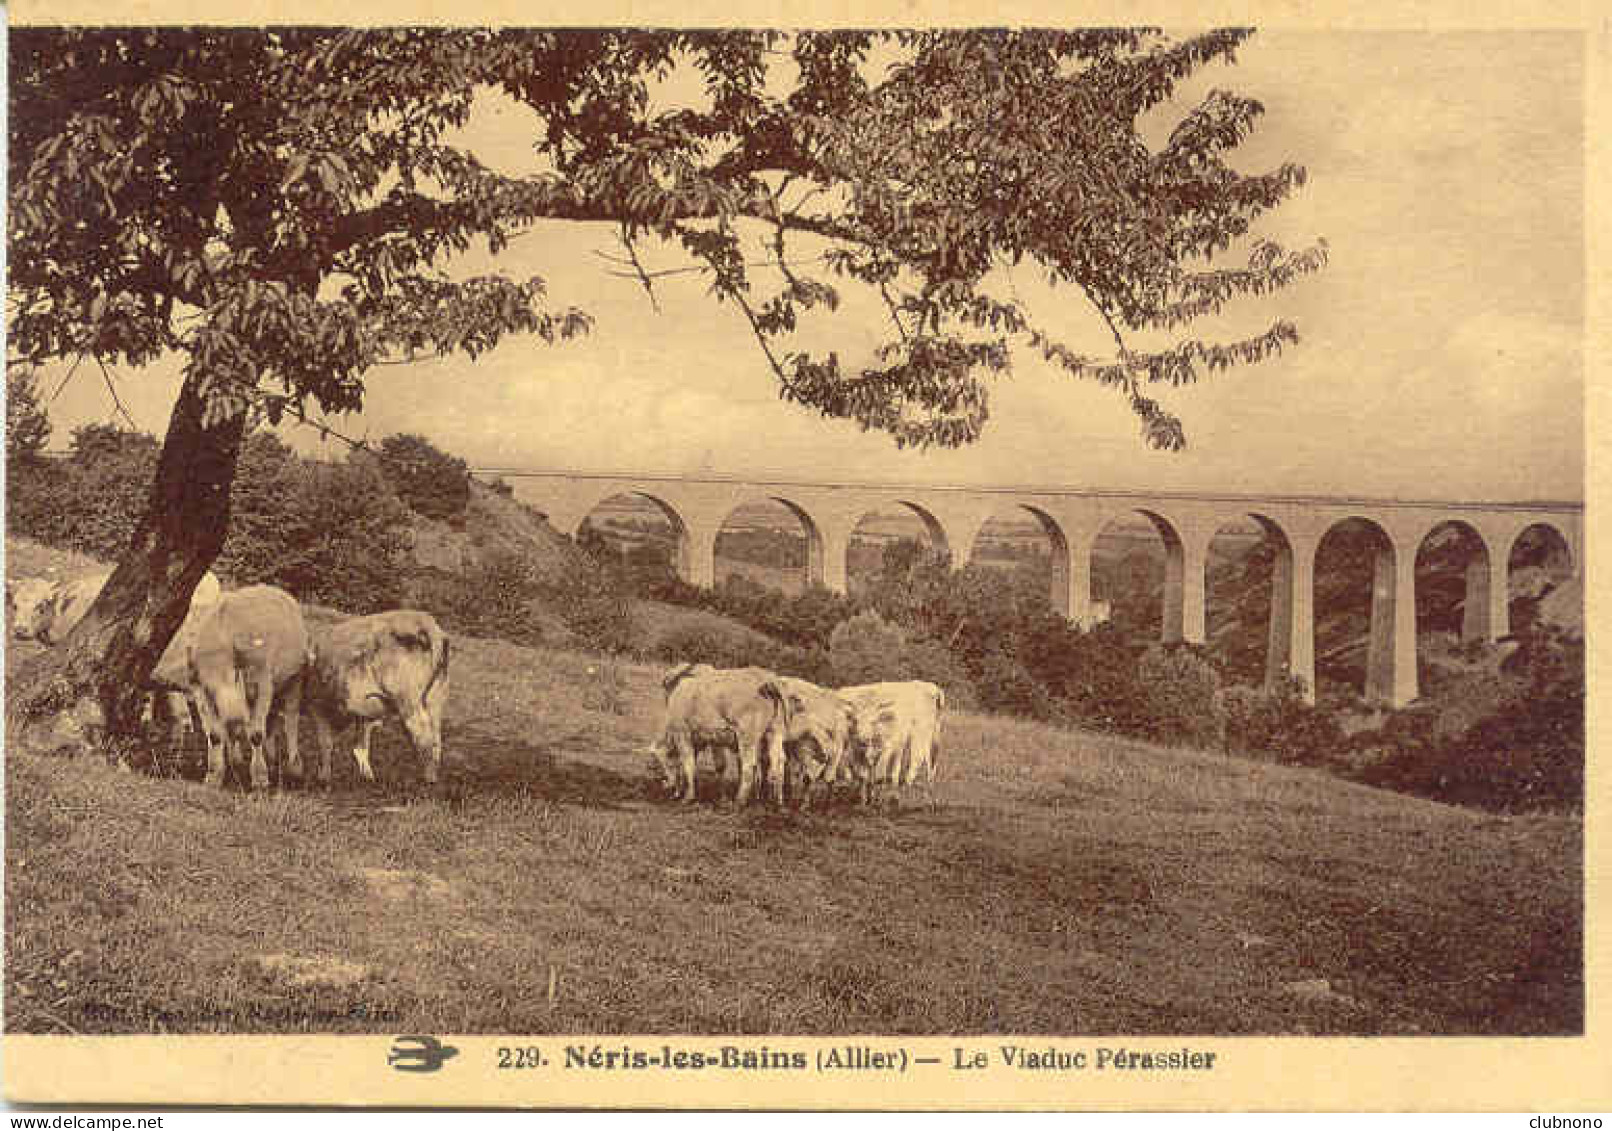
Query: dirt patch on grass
column 396, row 884
column 303, row 972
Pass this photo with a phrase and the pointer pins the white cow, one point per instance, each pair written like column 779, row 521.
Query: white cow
column 712, row 709
column 365, row 668
column 897, row 733
column 247, row 662
column 756, row 714
column 48, row 609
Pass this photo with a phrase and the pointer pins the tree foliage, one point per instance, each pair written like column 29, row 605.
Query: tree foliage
column 280, row 208
column 429, row 480
column 27, row 424
column 297, row 189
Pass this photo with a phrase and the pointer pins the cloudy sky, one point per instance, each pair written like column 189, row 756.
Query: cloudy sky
column 1441, row 352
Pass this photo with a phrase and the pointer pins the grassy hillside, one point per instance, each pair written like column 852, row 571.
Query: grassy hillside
column 1062, row 883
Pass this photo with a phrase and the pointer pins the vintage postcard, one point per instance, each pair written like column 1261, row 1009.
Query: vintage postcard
column 694, row 558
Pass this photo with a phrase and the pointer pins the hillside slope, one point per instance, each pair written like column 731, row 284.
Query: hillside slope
column 1063, row 883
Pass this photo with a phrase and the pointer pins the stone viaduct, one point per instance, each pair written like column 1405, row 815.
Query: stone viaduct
column 1073, row 518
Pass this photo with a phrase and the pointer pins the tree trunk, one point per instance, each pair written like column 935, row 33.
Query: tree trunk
column 98, row 675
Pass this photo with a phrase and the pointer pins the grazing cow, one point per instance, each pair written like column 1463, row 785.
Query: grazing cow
column 29, row 600
column 707, row 708
column 819, row 730
column 247, row 662
column 368, row 667
column 171, row 677
column 748, row 711
column 897, row 732
column 47, row 610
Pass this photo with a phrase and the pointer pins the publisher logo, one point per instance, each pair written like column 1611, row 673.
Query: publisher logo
column 419, row 1054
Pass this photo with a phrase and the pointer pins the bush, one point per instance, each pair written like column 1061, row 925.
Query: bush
column 1181, row 689
column 1278, row 725
column 593, row 605
column 93, row 500
column 864, row 649
column 430, row 482
column 1095, row 678
column 27, row 425
column 1004, row 684
column 492, row 597
column 1528, row 754
column 345, row 539
column 709, row 644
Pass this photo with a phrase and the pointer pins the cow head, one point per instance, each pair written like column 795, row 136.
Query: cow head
column 31, row 606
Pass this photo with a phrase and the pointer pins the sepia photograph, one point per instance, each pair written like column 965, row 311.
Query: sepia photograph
column 609, row 561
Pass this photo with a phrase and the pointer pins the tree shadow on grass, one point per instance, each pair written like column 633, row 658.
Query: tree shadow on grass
column 479, row 765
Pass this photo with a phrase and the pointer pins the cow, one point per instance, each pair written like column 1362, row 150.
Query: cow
column 369, row 667
column 170, row 679
column 737, row 708
column 819, row 731
column 246, row 664
column 29, row 601
column 750, row 711
column 896, row 733
column 47, row 610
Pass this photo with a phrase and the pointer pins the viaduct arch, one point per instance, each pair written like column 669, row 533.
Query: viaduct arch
column 1074, row 518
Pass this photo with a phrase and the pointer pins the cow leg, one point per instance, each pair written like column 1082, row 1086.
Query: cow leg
column 683, row 752
column 747, row 774
column 288, row 710
column 436, row 708
column 777, row 771
column 366, row 728
column 749, row 756
column 213, row 732
column 422, row 734
column 322, row 742
column 260, row 702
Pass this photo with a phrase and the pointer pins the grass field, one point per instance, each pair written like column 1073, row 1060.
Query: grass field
column 1062, row 883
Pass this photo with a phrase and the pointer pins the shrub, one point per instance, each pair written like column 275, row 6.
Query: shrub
column 1527, row 754
column 710, row 644
column 42, row 501
column 27, row 425
column 264, row 500
column 1096, row 681
column 865, row 649
column 492, row 597
column 430, row 482
column 931, row 660
column 98, row 494
column 1181, row 689
column 1278, row 725
column 1004, row 684
column 345, row 539
column 593, row 605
